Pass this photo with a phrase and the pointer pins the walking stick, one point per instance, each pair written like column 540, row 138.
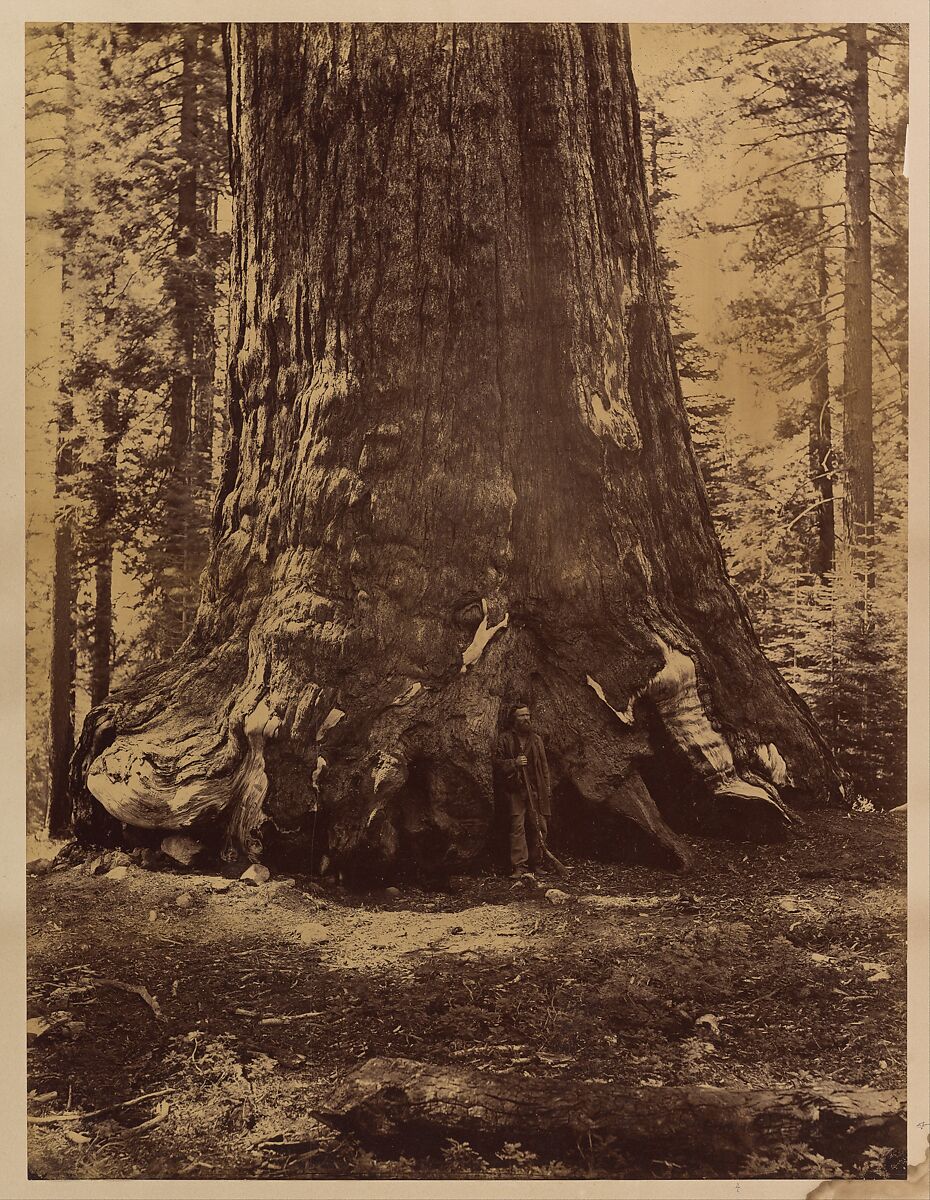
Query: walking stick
column 547, row 853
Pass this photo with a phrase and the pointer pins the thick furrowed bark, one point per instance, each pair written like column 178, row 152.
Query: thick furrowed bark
column 453, row 411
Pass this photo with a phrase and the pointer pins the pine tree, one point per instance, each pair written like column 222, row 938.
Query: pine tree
column 63, row 649
column 829, row 617
column 794, row 112
column 105, row 144
column 858, row 419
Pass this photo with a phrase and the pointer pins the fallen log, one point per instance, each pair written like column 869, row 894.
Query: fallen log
column 402, row 1103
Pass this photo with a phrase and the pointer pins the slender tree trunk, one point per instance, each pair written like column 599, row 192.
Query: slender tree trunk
column 63, row 660
column 104, row 490
column 179, row 522
column 208, row 123
column 460, row 473
column 204, row 387
column 61, row 715
column 105, row 493
column 820, row 428
column 858, row 438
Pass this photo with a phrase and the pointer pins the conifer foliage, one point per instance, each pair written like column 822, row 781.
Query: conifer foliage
column 809, row 212
column 126, row 155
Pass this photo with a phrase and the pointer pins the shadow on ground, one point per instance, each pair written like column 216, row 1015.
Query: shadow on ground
column 767, row 967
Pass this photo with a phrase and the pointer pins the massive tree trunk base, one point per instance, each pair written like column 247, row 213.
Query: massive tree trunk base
column 242, row 750
column 402, row 1104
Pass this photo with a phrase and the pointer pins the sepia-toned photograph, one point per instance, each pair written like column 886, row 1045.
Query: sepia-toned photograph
column 467, row 601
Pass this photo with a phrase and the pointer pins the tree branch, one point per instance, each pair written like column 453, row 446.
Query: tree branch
column 807, row 511
column 767, row 220
column 881, row 220
column 787, row 135
column 801, row 162
column 805, row 246
column 837, row 34
column 35, row 159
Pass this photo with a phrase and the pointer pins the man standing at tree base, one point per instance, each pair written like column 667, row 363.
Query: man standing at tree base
column 521, row 759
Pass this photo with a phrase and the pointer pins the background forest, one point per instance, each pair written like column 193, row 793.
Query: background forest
column 775, row 155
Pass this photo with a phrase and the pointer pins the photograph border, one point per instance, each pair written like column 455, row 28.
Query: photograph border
column 13, row 1182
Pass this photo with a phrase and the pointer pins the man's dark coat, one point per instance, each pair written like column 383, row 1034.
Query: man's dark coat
column 536, row 769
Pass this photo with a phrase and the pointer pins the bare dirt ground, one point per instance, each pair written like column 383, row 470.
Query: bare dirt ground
column 773, row 966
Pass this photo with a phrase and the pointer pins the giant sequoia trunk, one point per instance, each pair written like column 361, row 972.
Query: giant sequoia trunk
column 460, row 473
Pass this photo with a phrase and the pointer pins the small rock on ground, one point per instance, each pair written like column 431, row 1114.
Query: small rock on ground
column 257, row 873
column 311, row 932
column 181, row 848
column 36, row 1028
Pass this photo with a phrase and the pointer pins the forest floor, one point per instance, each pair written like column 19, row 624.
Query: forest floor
column 766, row 967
